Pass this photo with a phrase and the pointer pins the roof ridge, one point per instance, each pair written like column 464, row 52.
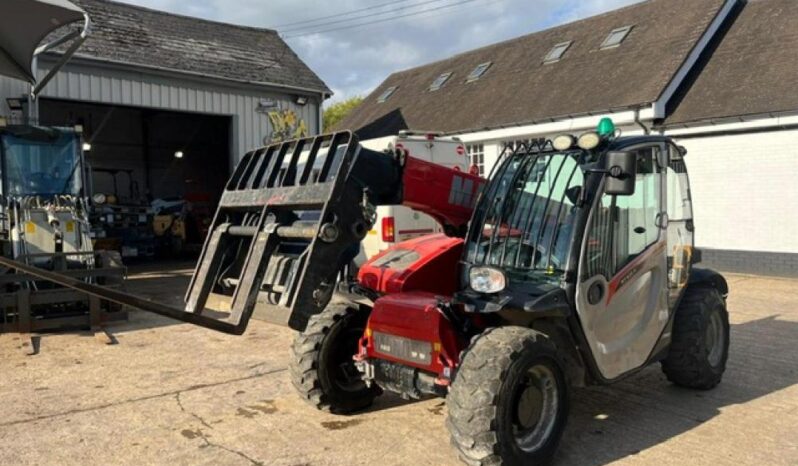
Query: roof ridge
column 525, row 36
column 181, row 15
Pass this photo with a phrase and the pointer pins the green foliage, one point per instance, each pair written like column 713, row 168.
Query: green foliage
column 338, row 111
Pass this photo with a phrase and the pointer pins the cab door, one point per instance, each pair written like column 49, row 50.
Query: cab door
column 622, row 296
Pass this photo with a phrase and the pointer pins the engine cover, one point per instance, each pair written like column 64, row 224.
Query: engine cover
column 429, row 263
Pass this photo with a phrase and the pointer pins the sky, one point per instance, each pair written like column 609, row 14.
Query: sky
column 392, row 35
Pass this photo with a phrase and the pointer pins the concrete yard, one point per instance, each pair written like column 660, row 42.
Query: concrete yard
column 170, row 393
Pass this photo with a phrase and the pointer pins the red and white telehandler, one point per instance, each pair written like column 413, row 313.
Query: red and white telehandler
column 572, row 265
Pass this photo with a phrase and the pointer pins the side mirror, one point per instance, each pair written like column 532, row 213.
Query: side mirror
column 621, row 173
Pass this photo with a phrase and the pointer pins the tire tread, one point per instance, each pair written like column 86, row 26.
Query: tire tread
column 304, row 365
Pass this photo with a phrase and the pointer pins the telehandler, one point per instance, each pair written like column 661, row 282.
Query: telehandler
column 572, row 265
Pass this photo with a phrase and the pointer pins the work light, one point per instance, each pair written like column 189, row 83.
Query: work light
column 563, row 142
column 589, row 141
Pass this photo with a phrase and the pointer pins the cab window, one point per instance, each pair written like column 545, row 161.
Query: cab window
column 623, row 227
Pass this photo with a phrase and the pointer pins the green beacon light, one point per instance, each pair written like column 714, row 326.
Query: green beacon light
column 606, row 128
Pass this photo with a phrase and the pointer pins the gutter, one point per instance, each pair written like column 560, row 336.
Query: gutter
column 734, row 125
column 638, row 122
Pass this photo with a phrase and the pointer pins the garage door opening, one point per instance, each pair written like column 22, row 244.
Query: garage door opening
column 156, row 176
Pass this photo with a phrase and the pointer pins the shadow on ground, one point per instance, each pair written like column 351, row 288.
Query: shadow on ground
column 608, row 423
column 613, row 422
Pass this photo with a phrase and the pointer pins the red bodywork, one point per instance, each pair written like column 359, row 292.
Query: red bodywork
column 428, row 263
column 414, row 276
column 444, row 194
column 414, row 316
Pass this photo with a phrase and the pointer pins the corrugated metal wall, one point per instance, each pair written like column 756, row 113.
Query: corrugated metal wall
column 108, row 84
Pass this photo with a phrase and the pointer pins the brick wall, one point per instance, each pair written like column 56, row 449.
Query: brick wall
column 752, row 262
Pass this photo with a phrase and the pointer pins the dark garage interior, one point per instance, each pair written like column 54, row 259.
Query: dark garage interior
column 156, row 176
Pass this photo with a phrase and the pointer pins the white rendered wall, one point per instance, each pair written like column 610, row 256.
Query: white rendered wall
column 745, row 191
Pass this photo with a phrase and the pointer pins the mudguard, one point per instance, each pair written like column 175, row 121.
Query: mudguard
column 709, row 278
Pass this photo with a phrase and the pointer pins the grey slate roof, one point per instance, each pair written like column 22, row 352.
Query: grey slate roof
column 520, row 89
column 753, row 71
column 141, row 36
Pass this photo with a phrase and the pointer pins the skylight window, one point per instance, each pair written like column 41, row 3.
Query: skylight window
column 556, row 52
column 616, row 37
column 387, row 94
column 440, row 81
column 478, row 71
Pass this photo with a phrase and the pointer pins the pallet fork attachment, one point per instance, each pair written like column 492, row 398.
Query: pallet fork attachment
column 290, row 218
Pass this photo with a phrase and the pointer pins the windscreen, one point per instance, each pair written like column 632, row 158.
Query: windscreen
column 39, row 167
column 525, row 221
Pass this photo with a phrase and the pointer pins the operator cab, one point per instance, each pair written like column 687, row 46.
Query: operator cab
column 604, row 229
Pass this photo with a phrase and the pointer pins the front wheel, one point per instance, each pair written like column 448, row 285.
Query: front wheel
column 322, row 369
column 509, row 401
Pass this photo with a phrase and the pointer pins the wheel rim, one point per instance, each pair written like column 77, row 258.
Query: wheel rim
column 536, row 408
column 344, row 373
column 716, row 339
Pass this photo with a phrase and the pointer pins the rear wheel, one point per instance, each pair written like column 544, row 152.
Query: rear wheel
column 700, row 342
column 509, row 401
column 322, row 369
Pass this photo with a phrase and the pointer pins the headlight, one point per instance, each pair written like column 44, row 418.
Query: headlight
column 99, row 198
column 589, row 141
column 487, row 280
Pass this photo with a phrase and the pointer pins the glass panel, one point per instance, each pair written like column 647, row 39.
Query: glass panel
column 478, row 71
column 528, row 224
column 439, row 81
column 638, row 213
column 680, row 225
column 387, row 94
column 557, row 52
column 622, row 227
column 615, row 37
column 42, row 167
column 476, row 155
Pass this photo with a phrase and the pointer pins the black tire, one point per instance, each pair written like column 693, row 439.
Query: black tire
column 697, row 359
column 501, row 370
column 322, row 369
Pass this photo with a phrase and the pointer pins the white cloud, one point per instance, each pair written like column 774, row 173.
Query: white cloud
column 354, row 61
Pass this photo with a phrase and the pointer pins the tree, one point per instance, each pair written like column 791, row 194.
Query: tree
column 338, row 111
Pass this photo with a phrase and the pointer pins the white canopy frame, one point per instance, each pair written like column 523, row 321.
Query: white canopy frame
column 24, row 24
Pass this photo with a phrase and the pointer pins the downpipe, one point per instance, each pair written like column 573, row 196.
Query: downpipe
column 639, row 122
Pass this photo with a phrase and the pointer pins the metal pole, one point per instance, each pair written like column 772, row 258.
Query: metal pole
column 33, row 103
column 36, row 88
